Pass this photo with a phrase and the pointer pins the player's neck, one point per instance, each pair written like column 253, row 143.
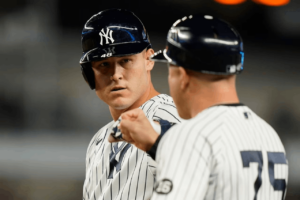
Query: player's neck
column 209, row 96
column 150, row 93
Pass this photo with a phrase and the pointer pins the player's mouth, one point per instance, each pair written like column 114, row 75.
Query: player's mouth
column 117, row 88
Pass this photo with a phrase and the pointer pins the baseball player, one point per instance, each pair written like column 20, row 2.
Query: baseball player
column 224, row 150
column 115, row 62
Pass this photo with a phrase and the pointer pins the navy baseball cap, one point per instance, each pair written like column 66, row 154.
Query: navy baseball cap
column 205, row 44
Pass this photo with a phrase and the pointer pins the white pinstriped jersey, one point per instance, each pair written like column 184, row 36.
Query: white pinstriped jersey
column 120, row 170
column 225, row 152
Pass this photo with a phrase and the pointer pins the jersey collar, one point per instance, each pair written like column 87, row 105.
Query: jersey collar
column 229, row 104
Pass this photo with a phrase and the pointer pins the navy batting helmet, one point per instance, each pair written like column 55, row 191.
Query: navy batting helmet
column 205, row 44
column 113, row 32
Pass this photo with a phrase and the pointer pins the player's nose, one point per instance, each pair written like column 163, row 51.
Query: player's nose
column 117, row 73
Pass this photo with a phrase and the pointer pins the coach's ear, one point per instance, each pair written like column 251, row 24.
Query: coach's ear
column 184, row 78
column 149, row 63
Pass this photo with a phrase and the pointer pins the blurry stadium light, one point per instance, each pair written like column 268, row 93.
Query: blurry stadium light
column 230, row 2
column 264, row 2
column 272, row 2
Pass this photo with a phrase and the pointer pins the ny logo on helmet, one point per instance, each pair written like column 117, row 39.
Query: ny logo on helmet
column 107, row 35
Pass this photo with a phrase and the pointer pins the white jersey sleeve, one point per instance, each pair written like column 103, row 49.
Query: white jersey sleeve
column 178, row 170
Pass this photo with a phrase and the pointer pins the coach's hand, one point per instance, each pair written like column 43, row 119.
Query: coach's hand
column 137, row 130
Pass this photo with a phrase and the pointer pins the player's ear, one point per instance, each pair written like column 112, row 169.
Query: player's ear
column 184, row 78
column 149, row 63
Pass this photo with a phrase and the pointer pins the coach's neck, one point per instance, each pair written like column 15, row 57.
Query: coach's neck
column 206, row 90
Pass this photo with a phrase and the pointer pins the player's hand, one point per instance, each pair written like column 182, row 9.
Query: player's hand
column 137, row 130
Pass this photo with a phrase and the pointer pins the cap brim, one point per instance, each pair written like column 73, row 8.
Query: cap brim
column 129, row 48
column 159, row 57
column 114, row 50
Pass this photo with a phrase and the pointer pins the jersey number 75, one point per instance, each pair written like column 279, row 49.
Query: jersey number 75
column 273, row 158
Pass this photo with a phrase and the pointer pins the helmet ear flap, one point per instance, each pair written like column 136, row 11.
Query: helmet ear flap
column 88, row 75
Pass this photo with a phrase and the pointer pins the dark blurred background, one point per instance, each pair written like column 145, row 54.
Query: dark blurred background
column 48, row 113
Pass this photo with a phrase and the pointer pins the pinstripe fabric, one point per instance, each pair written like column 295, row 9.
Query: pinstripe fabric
column 136, row 176
column 225, row 152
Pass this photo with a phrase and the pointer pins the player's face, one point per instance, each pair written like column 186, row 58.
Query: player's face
column 176, row 90
column 121, row 81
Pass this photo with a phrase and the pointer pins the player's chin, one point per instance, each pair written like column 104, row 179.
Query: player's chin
column 120, row 103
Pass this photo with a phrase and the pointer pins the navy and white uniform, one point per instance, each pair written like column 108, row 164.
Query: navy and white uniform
column 120, row 170
column 225, row 152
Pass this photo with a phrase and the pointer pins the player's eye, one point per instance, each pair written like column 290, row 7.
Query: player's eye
column 126, row 60
column 104, row 64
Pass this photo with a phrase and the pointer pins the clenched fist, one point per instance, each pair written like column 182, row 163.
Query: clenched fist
column 137, row 130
